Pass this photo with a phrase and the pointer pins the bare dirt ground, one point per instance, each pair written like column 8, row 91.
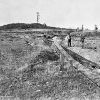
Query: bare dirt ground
column 30, row 70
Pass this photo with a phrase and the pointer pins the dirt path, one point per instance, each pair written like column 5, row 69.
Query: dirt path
column 87, row 53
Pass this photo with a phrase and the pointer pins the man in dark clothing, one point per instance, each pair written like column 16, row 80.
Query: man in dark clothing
column 69, row 41
column 82, row 40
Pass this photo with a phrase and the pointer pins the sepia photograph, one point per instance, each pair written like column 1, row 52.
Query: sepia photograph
column 49, row 50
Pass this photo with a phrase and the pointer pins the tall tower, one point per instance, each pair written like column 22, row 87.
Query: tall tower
column 38, row 17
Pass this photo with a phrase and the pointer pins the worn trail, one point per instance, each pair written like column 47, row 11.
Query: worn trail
column 87, row 63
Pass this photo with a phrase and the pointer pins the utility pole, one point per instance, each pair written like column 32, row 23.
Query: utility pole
column 38, row 17
column 82, row 27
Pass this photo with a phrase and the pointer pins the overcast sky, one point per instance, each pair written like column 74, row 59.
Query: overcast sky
column 61, row 13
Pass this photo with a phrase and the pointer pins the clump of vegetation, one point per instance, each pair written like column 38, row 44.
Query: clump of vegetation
column 48, row 55
column 45, row 56
column 18, row 52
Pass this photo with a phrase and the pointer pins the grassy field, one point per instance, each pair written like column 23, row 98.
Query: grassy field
column 89, row 43
column 30, row 70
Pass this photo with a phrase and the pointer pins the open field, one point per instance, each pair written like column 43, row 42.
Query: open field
column 30, row 69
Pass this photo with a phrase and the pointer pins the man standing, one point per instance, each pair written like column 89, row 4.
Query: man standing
column 82, row 40
column 69, row 40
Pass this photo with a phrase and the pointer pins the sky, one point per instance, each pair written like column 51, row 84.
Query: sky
column 59, row 13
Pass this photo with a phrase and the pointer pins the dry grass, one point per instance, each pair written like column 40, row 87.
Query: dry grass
column 41, row 78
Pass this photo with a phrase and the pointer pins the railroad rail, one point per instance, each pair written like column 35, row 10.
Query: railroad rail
column 87, row 63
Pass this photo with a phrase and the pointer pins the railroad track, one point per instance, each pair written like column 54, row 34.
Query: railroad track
column 81, row 60
column 87, row 63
